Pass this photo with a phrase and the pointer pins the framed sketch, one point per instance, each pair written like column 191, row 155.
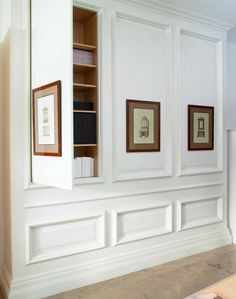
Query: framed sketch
column 47, row 120
column 200, row 128
column 142, row 126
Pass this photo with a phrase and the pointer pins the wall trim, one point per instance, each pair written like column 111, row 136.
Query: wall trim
column 165, row 229
column 218, row 167
column 175, row 11
column 57, row 281
column 30, row 258
column 128, row 194
column 166, row 170
column 200, row 222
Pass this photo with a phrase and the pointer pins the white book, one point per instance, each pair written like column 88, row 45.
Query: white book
column 86, row 166
column 79, row 167
column 75, row 167
column 92, row 166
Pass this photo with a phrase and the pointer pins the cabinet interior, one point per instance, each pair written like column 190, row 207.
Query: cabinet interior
column 85, row 78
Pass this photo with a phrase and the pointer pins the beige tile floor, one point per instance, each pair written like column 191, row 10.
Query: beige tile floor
column 173, row 280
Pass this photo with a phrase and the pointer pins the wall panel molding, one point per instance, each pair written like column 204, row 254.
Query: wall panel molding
column 132, row 224
column 198, row 212
column 186, row 170
column 135, row 174
column 54, row 281
column 175, row 11
column 50, row 240
column 33, row 204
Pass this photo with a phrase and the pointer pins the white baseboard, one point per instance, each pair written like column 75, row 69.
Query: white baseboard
column 54, row 282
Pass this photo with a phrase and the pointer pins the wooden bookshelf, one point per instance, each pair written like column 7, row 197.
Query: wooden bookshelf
column 83, row 67
column 85, row 75
column 85, row 47
column 83, row 87
column 85, row 111
column 84, row 145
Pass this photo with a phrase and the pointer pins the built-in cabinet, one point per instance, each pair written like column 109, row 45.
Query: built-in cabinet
column 69, row 53
column 85, row 88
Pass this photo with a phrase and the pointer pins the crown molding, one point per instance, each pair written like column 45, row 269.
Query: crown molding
column 175, row 11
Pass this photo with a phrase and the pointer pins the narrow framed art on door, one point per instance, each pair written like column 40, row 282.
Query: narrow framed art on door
column 47, row 120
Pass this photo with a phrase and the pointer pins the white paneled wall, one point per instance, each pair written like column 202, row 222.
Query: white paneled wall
column 146, row 208
column 148, row 64
column 231, row 124
column 201, row 83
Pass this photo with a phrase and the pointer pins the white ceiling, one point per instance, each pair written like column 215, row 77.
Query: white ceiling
column 224, row 10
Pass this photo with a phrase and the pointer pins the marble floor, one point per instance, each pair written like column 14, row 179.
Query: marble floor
column 174, row 280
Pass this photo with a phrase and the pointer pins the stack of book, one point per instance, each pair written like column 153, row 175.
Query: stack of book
column 83, row 167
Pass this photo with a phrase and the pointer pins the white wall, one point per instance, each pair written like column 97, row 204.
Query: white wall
column 231, row 111
column 231, row 108
column 133, row 217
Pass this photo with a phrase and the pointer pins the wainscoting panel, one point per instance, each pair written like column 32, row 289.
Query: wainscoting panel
column 56, row 239
column 143, row 62
column 135, row 224
column 194, row 213
column 200, row 83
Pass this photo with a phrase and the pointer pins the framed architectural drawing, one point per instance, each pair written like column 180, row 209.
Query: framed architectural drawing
column 47, row 120
column 200, row 128
column 142, row 126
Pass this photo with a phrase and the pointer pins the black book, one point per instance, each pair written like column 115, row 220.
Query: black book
column 77, row 105
column 84, row 128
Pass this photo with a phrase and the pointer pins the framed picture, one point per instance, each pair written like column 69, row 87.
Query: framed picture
column 200, row 128
column 47, row 120
column 142, row 126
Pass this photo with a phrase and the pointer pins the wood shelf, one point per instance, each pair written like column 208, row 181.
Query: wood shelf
column 85, row 47
column 85, row 83
column 85, row 111
column 83, row 87
column 85, row 145
column 83, row 67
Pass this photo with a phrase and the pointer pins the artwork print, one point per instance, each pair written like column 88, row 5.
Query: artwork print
column 200, row 127
column 143, row 126
column 47, row 120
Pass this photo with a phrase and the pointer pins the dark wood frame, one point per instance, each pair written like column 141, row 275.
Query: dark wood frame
column 156, row 106
column 35, row 95
column 200, row 146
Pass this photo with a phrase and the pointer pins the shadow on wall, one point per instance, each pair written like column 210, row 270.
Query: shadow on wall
column 5, row 220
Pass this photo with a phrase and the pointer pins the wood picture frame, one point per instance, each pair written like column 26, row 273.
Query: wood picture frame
column 47, row 120
column 143, row 126
column 200, row 128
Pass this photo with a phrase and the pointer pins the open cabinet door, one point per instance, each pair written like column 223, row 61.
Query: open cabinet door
column 51, row 57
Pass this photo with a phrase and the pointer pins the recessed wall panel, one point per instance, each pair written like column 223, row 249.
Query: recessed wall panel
column 194, row 213
column 200, row 84
column 52, row 240
column 131, row 225
column 141, row 73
